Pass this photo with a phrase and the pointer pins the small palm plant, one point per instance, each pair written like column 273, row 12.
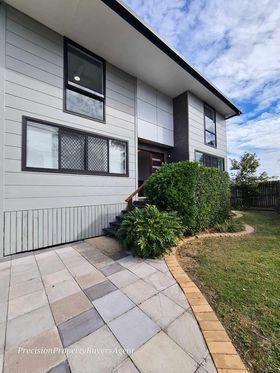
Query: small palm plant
column 150, row 233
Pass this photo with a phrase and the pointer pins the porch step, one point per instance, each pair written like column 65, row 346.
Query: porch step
column 114, row 225
column 110, row 232
column 120, row 218
column 140, row 203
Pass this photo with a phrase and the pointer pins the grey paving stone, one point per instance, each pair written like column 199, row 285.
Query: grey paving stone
column 106, row 353
column 139, row 291
column 142, row 269
column 158, row 264
column 113, row 305
column 126, row 366
column 120, row 255
column 61, row 368
column 160, row 280
column 5, row 259
column 130, row 261
column 5, row 264
column 123, row 278
column 101, row 262
column 176, row 294
column 161, row 354
column 31, row 362
column 25, row 287
column 3, row 311
column 99, row 290
column 62, row 289
column 2, row 337
column 28, row 325
column 24, row 276
column 106, row 245
column 207, row 366
column 161, row 310
column 133, row 329
column 49, row 264
column 79, row 326
column 112, row 268
column 26, row 303
column 186, row 333
column 55, row 277
column 4, row 289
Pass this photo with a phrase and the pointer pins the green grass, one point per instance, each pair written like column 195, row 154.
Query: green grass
column 241, row 279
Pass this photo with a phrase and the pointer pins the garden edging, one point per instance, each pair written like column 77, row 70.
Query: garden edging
column 224, row 354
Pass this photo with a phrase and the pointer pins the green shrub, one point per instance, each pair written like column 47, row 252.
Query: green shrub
column 148, row 232
column 230, row 226
column 200, row 195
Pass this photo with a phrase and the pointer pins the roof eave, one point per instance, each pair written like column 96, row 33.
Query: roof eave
column 141, row 27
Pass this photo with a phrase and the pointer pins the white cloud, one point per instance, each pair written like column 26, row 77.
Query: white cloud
column 262, row 133
column 236, row 44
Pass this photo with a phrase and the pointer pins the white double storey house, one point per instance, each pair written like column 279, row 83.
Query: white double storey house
column 92, row 101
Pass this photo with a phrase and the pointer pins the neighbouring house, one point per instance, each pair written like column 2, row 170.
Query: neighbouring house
column 92, row 101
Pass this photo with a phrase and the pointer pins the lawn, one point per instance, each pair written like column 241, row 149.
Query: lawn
column 241, row 279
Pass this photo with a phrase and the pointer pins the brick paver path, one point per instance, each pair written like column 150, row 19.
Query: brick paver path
column 90, row 307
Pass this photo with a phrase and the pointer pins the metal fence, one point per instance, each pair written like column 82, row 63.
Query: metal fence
column 266, row 196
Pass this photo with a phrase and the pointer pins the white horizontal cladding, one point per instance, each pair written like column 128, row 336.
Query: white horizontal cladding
column 27, row 191
column 32, row 229
column 155, row 115
column 197, row 132
column 34, row 88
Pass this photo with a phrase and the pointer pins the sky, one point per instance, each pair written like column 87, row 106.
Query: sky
column 236, row 45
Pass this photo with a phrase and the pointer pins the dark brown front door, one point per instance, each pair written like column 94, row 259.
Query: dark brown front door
column 148, row 163
column 156, row 160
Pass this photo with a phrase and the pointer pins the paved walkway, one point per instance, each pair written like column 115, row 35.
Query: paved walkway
column 90, row 307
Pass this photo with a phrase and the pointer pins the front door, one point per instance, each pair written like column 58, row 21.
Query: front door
column 148, row 163
column 156, row 159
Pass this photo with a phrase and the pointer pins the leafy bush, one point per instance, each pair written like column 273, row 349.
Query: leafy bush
column 230, row 226
column 199, row 194
column 148, row 232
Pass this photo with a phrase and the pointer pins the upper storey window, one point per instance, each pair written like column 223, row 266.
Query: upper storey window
column 84, row 77
column 210, row 126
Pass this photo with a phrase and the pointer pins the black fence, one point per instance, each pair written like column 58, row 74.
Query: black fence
column 267, row 196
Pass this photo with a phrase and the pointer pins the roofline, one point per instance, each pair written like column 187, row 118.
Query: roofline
column 138, row 24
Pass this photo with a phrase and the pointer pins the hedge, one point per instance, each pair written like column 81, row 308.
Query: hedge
column 200, row 195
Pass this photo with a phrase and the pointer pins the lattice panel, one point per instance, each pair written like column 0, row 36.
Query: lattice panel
column 97, row 154
column 72, row 151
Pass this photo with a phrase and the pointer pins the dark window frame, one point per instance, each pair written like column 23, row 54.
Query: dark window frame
column 210, row 155
column 207, row 131
column 70, row 87
column 62, row 128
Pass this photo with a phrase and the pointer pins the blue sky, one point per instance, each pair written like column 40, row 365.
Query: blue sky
column 235, row 44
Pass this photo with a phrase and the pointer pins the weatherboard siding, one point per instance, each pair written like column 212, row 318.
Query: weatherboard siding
column 2, row 123
column 34, row 87
column 196, row 131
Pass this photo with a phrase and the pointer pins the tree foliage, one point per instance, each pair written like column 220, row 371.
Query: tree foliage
column 245, row 178
column 246, row 170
